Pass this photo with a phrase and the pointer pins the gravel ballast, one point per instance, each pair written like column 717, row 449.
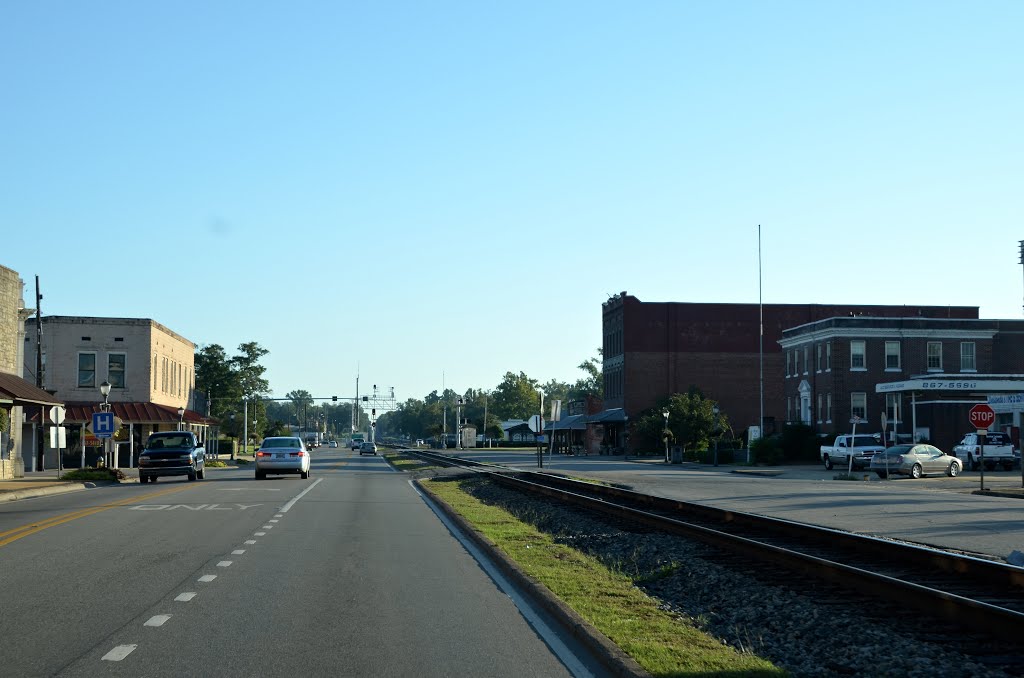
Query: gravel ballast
column 799, row 631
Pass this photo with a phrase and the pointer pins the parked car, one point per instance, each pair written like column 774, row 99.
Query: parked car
column 998, row 449
column 282, row 454
column 915, row 461
column 333, row 443
column 172, row 453
column 367, row 448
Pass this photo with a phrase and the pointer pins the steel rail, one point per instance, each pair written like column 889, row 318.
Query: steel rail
column 1003, row 623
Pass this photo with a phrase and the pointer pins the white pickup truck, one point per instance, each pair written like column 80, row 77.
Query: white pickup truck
column 998, row 450
column 860, row 447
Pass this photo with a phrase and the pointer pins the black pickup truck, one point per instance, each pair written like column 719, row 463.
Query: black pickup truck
column 172, row 453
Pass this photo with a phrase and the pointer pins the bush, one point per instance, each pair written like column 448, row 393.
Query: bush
column 94, row 474
column 800, row 443
column 766, row 451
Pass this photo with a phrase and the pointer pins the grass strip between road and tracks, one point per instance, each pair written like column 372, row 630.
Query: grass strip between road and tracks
column 660, row 642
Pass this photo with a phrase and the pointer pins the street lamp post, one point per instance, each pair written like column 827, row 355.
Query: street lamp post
column 105, row 392
column 232, row 416
column 665, row 414
column 716, row 411
column 181, row 418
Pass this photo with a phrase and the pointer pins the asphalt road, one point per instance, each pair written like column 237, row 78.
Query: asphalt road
column 347, row 573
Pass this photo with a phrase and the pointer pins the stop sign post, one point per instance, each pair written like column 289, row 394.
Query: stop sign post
column 981, row 417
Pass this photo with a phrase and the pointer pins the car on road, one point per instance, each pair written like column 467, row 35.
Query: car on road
column 367, row 448
column 915, row 461
column 172, row 453
column 333, row 443
column 282, row 454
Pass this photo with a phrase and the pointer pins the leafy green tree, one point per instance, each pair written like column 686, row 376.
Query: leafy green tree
column 593, row 383
column 515, row 397
column 692, row 422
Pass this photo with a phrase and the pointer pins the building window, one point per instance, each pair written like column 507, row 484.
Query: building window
column 892, row 408
column 819, row 408
column 818, row 363
column 857, row 359
column 789, row 409
column 807, row 350
column 859, row 405
column 115, row 369
column 828, row 357
column 828, row 407
column 892, row 355
column 86, row 370
column 968, row 363
column 935, row 356
column 155, row 376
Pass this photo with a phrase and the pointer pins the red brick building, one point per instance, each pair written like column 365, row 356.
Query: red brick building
column 653, row 349
column 923, row 373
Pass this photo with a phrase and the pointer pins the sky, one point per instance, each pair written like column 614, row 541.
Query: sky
column 432, row 194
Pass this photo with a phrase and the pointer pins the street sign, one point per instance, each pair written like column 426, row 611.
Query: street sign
column 103, row 424
column 57, row 414
column 982, row 416
column 534, row 423
column 58, row 437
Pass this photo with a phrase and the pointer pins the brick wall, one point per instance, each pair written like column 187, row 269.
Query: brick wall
column 667, row 347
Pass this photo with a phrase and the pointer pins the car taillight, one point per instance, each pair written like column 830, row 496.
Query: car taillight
column 260, row 453
column 302, row 454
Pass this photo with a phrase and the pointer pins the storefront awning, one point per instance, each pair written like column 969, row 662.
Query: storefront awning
column 18, row 392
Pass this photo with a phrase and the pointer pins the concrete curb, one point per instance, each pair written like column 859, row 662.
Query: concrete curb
column 14, row 495
column 611, row 657
column 29, row 493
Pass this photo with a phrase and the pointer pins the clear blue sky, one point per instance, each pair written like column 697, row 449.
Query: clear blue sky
column 428, row 188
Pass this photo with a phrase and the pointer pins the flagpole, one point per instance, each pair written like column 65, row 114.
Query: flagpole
column 760, row 306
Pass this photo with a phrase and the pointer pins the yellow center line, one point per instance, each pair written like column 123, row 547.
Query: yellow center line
column 25, row 530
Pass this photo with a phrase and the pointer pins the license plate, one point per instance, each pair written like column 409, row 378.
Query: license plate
column 278, row 456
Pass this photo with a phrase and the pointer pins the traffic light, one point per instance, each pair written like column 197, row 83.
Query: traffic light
column 373, row 412
column 373, row 424
column 334, row 398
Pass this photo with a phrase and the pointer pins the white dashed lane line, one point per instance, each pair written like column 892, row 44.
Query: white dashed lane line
column 157, row 620
column 224, row 563
column 238, row 552
column 119, row 653
column 279, row 515
column 250, row 541
column 273, row 521
column 208, row 577
column 260, row 534
column 267, row 527
column 185, row 597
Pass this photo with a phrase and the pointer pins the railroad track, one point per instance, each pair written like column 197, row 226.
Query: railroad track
column 981, row 602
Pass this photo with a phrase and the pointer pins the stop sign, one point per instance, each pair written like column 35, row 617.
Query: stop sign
column 982, row 416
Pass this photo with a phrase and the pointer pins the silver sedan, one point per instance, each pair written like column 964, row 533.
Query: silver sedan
column 282, row 454
column 915, row 461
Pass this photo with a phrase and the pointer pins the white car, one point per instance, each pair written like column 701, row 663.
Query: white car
column 280, row 455
column 367, row 448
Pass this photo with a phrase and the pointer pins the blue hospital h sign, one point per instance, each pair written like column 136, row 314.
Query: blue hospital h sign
column 103, row 424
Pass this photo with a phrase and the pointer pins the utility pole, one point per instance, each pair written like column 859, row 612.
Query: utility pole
column 39, row 453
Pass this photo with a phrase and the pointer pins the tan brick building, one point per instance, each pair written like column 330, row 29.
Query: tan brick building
column 151, row 370
column 15, row 393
